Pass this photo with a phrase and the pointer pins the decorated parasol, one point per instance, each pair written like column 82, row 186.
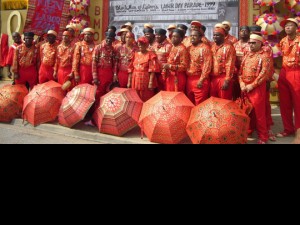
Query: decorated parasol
column 270, row 24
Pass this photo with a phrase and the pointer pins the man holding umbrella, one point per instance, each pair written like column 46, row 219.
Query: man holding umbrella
column 253, row 76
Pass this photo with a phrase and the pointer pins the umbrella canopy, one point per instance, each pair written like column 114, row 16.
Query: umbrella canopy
column 119, row 111
column 270, row 24
column 11, row 101
column 218, row 121
column 76, row 104
column 164, row 117
column 42, row 104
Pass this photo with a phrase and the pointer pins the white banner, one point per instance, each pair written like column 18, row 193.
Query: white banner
column 162, row 13
column 163, row 7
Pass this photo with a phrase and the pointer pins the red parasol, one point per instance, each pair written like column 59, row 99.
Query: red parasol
column 119, row 111
column 11, row 101
column 42, row 104
column 164, row 117
column 218, row 121
column 76, row 104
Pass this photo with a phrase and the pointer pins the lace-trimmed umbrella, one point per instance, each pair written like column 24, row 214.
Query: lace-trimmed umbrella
column 218, row 121
column 76, row 104
column 164, row 117
column 11, row 101
column 119, row 111
column 42, row 103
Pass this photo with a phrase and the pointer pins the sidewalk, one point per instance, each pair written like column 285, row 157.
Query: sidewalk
column 133, row 137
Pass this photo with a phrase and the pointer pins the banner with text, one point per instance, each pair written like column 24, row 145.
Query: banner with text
column 44, row 15
column 161, row 13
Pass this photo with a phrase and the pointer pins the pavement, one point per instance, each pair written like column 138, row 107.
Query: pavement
column 88, row 133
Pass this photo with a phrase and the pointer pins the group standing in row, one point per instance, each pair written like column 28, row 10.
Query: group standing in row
column 224, row 67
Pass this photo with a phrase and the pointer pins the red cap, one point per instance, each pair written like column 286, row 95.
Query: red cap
column 219, row 30
column 143, row 40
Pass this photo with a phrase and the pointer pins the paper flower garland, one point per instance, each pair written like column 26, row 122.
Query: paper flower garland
column 270, row 24
column 80, row 22
column 267, row 2
column 78, row 7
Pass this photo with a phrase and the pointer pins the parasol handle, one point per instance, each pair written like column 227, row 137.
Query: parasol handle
column 112, row 102
column 142, row 132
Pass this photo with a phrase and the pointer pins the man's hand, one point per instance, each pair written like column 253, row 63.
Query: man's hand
column 150, row 85
column 96, row 81
column 16, row 76
column 71, row 76
column 55, row 76
column 225, row 85
column 77, row 79
column 249, row 88
column 115, row 79
column 9, row 75
column 200, row 84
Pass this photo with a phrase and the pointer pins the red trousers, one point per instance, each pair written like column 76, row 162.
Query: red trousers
column 123, row 78
column 195, row 94
column 289, row 97
column 86, row 74
column 105, row 77
column 45, row 73
column 258, row 98
column 216, row 87
column 161, row 83
column 269, row 118
column 269, row 111
column 62, row 76
column 28, row 75
column 236, row 89
column 170, row 82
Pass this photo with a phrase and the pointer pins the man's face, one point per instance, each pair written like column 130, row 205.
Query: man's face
column 123, row 37
column 160, row 38
column 88, row 37
column 255, row 45
column 176, row 39
column 72, row 32
column 129, row 39
column 150, row 36
column 290, row 28
column 51, row 38
column 28, row 41
column 16, row 37
column 218, row 37
column 244, row 33
column 195, row 38
column 66, row 38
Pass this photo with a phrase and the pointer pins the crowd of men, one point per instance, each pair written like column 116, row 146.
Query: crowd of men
column 168, row 60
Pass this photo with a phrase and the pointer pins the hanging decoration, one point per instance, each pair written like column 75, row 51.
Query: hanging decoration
column 267, row 2
column 80, row 22
column 78, row 7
